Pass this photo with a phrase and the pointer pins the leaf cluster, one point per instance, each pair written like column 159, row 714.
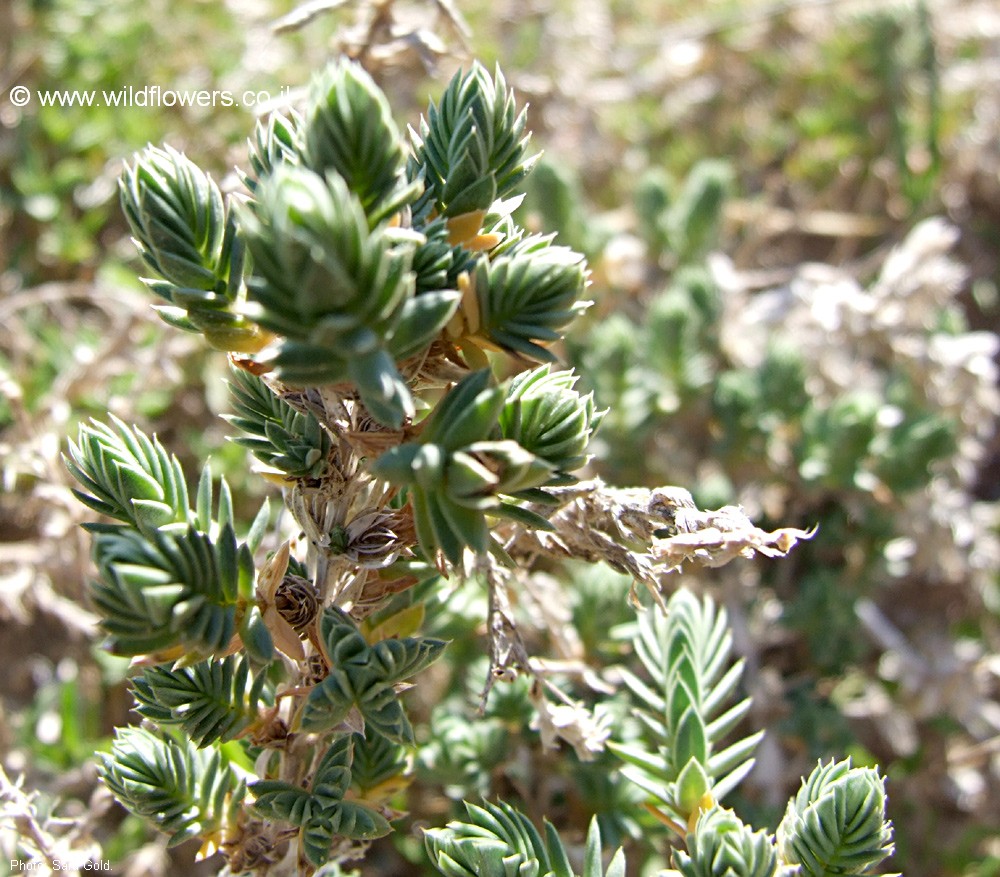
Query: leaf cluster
column 362, row 275
column 170, row 589
column 497, row 840
column 363, row 677
column 836, row 823
column 284, row 439
column 686, row 708
column 187, row 236
column 525, row 296
column 210, row 701
column 350, row 257
column 456, row 473
column 169, row 577
column 185, row 792
column 321, row 811
column 471, row 149
column 127, row 476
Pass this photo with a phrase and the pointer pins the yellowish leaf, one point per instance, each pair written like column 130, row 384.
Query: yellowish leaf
column 404, row 623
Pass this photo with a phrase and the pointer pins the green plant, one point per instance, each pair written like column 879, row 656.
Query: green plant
column 836, row 823
column 685, row 709
column 368, row 295
column 500, row 840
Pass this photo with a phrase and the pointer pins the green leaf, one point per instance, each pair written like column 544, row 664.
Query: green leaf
column 183, row 792
column 456, row 474
column 471, row 148
column 276, row 141
column 333, row 773
column 364, row 677
column 528, row 295
column 497, row 840
column 692, row 219
column 349, row 130
column 203, row 503
column 397, row 659
column 377, row 760
column 321, row 812
column 683, row 706
column 176, row 215
column 328, row 704
column 836, row 823
column 176, row 587
column 279, row 800
column 316, row 258
column 184, row 235
column 354, row 820
column 546, row 416
column 557, row 852
column 592, row 856
column 256, row 638
column 438, row 264
column 692, row 785
column 211, row 701
column 396, row 464
column 421, row 320
column 466, row 414
column 517, row 469
column 317, row 838
column 335, row 288
column 259, row 526
column 128, row 476
column 522, row 515
column 722, row 846
column 689, row 738
column 385, row 394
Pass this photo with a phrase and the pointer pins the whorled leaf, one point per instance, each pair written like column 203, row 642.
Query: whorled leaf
column 686, row 707
column 456, row 473
column 210, row 701
column 177, row 216
column 276, row 141
column 364, row 677
column 128, row 476
column 546, row 416
column 471, row 148
column 320, row 811
column 836, row 824
column 182, row 791
column 524, row 298
column 497, row 840
column 720, row 845
column 437, row 262
column 336, row 290
column 281, row 437
column 378, row 763
column 185, row 235
column 176, row 588
column 349, row 129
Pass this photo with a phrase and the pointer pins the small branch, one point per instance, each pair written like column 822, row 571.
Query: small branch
column 22, row 812
column 305, row 13
column 648, row 533
column 507, row 652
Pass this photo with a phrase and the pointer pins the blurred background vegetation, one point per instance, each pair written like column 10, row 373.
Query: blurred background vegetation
column 792, row 213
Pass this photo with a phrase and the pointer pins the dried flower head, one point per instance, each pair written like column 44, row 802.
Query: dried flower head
column 297, row 602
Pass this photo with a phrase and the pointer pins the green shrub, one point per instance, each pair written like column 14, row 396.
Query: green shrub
column 369, row 293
